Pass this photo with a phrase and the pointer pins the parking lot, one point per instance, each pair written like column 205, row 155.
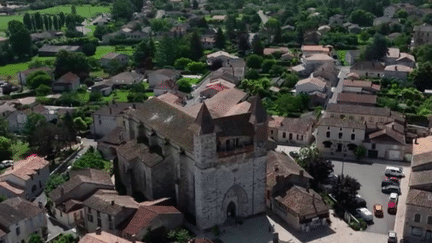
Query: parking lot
column 370, row 177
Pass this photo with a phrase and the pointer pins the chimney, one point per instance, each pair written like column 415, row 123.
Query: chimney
column 301, row 173
column 133, row 238
column 276, row 169
column 134, row 106
column 415, row 141
column 110, row 110
column 112, row 203
column 61, row 190
column 98, row 231
column 395, row 68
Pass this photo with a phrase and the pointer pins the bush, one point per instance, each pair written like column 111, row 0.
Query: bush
column 54, row 181
column 181, row 63
column 136, row 97
column 43, row 90
column 252, row 74
column 91, row 159
column 184, row 86
column 196, row 67
column 89, row 49
column 95, row 96
column 80, row 124
column 254, row 61
column 34, row 80
column 89, row 82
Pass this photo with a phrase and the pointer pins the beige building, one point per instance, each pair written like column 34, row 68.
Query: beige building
column 422, row 35
column 25, row 178
column 368, row 69
column 112, row 57
column 309, row 50
column 291, row 130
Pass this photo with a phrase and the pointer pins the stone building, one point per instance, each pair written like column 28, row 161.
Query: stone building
column 214, row 166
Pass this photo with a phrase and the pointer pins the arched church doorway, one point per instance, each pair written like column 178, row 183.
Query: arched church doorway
column 231, row 210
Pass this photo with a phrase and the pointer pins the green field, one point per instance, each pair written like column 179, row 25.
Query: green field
column 103, row 50
column 12, row 69
column 191, row 80
column 87, row 11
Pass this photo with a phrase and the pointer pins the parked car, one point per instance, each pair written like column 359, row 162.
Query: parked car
column 359, row 202
column 378, row 211
column 391, row 189
column 392, row 204
column 392, row 237
column 394, row 172
column 390, row 181
column 365, row 214
column 331, row 179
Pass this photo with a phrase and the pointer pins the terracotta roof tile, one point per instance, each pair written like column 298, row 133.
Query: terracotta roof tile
column 302, row 202
column 104, row 237
column 357, row 98
column 280, row 164
column 25, row 168
column 419, row 198
column 358, row 109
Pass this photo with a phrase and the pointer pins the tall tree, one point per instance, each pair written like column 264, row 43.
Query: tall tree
column 220, row 39
column 278, row 35
column 362, row 18
column 50, row 22
column 46, row 22
column 257, row 46
column 27, row 21
column 73, row 10
column 377, row 50
column 196, row 46
column 194, row 4
column 421, row 76
column 122, row 9
column 62, row 19
column 19, row 38
column 142, row 55
column 243, row 43
column 75, row 62
column 167, row 51
column 39, row 21
column 138, row 5
column 55, row 22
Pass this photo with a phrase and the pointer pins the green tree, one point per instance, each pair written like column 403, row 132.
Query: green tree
column 179, row 235
column 421, row 76
column 427, row 18
column 401, row 14
column 136, row 97
column 90, row 159
column 320, row 169
column 257, row 45
column 267, row 65
column 56, row 22
column 43, row 90
column 181, row 63
column 194, row 4
column 184, row 86
column 167, row 51
column 4, row 127
column 89, row 49
column 362, row 18
column 278, row 35
column 138, row 5
column 252, row 74
column 27, row 21
column 35, row 238
column 360, row 151
column 345, row 190
column 62, row 19
column 46, row 22
column 254, row 61
column 3, row 198
column 243, row 43
column 38, row 20
column 364, row 36
column 114, row 67
column 423, row 53
column 38, row 78
column 95, row 96
column 160, row 25
column 73, row 9
column 196, row 46
column 19, row 39
column 196, row 67
column 54, row 181
column 122, row 9
column 143, row 54
column 50, row 22
column 377, row 50
column 5, row 148
column 220, row 39
column 75, row 62
column 79, row 124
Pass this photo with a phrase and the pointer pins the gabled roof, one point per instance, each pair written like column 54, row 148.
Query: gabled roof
column 114, row 109
column 134, row 150
column 418, row 178
column 387, row 135
column 77, row 178
column 110, row 202
column 104, row 237
column 297, row 125
column 204, row 121
column 167, row 84
column 16, row 209
column 23, row 169
column 393, row 52
column 319, row 57
column 221, row 53
column 343, row 123
column 358, row 109
column 280, row 164
column 144, row 217
column 366, row 65
column 303, row 202
column 357, row 98
column 126, row 78
column 406, row 56
column 419, row 198
column 115, row 137
column 315, row 48
column 258, row 113
column 398, row 68
column 67, row 78
column 12, row 187
column 422, row 151
column 31, row 70
column 166, row 72
column 317, row 82
column 269, row 51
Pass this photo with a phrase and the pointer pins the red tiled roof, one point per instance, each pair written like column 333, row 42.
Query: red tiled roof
column 315, row 48
column 104, row 237
column 68, row 78
column 145, row 215
column 25, row 168
column 356, row 98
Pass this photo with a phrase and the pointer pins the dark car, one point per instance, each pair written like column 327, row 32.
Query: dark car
column 391, row 189
column 390, row 181
column 331, row 179
column 359, row 202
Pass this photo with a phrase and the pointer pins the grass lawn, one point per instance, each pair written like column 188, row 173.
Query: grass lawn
column 19, row 150
column 12, row 69
column 191, row 80
column 119, row 95
column 84, row 97
column 99, row 73
column 86, row 11
column 341, row 56
column 150, row 94
column 103, row 50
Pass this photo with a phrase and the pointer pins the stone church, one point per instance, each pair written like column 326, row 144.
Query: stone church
column 214, row 167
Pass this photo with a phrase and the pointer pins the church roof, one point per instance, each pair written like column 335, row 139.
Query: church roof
column 258, row 113
column 204, row 120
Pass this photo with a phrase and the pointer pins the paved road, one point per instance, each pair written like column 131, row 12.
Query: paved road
column 370, row 177
column 264, row 18
column 338, row 89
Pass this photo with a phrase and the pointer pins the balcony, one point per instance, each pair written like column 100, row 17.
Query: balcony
column 235, row 151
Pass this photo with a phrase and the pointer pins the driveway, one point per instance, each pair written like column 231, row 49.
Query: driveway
column 159, row 14
column 338, row 89
column 264, row 18
column 370, row 177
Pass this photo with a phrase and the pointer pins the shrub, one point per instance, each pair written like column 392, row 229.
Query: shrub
column 181, row 63
column 184, row 86
column 89, row 49
column 196, row 67
column 43, row 90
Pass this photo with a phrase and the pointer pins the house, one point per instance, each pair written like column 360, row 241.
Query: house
column 173, row 98
column 165, row 87
column 219, row 17
column 6, row 109
column 110, row 57
column 324, row 29
column 390, row 11
column 108, row 117
column 159, row 76
column 422, row 154
column 208, row 42
column 393, row 36
column 353, row 76
column 384, row 20
column 392, row 55
column 418, row 216
column 67, row 82
column 368, row 69
column 152, row 218
column 199, row 144
column 336, row 19
column 179, row 30
column 221, row 55
column 288, row 196
column 352, row 56
column 382, row 133
column 271, row 51
column 109, row 143
column 105, row 87
column 107, row 210
column 360, row 87
column 127, row 33
column 215, row 87
column 25, row 178
column 50, row 50
column 291, row 130
column 310, row 85
column 45, row 35
column 100, row 236
column 356, row 99
column 313, row 61
column 300, row 70
column 422, row 35
column 309, row 50
column 68, row 198
column 126, row 78
column 19, row 219
column 406, row 60
column 328, row 72
column 16, row 121
column 22, row 75
column 397, row 71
